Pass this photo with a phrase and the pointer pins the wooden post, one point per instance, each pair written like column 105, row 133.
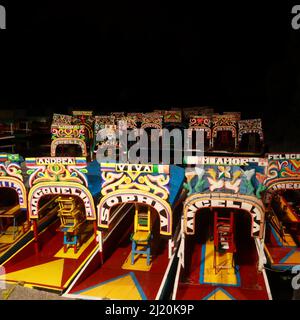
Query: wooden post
column 95, row 230
column 35, row 233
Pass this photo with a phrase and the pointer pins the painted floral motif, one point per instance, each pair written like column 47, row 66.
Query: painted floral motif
column 282, row 169
column 72, row 131
column 8, row 169
column 224, row 122
column 172, row 116
column 152, row 120
column 156, row 184
column 56, row 172
column 128, row 122
column 199, row 122
column 221, row 178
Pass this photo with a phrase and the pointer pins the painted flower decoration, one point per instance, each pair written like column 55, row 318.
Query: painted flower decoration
column 224, row 172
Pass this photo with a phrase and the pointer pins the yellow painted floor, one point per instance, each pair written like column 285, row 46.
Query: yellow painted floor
column 70, row 252
column 289, row 240
column 140, row 263
column 294, row 258
column 222, row 276
column 220, row 295
column 49, row 273
column 121, row 288
column 8, row 238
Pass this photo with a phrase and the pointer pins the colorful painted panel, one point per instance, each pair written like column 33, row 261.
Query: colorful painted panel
column 200, row 122
column 138, row 116
column 105, row 131
column 223, row 174
column 68, row 131
column 129, row 122
column 61, row 119
column 152, row 120
column 103, row 122
column 69, row 134
column 117, row 115
column 55, row 176
column 135, row 183
column 83, row 117
column 172, row 116
column 65, row 169
column 148, row 178
column 224, row 122
column 283, row 173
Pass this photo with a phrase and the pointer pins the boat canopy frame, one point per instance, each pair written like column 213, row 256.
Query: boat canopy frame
column 118, row 197
column 250, row 204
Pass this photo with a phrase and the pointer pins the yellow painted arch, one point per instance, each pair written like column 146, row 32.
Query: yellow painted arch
column 90, row 211
column 164, row 229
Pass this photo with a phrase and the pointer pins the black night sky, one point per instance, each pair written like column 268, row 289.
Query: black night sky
column 127, row 56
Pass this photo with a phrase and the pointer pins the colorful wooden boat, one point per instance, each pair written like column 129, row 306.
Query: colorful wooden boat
column 250, row 137
column 282, row 206
column 224, row 132
column 221, row 252
column 86, row 119
column 201, row 123
column 141, row 239
column 63, row 217
column 137, row 219
column 227, row 133
column 14, row 223
column 74, row 130
column 105, row 135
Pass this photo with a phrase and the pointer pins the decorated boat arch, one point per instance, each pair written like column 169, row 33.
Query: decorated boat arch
column 13, row 209
column 173, row 119
column 62, row 212
column 152, row 120
column 202, row 123
column 148, row 189
column 86, row 119
column 64, row 132
column 283, row 173
column 250, row 135
column 58, row 176
column 282, row 198
column 130, row 121
column 105, row 135
column 224, row 197
column 222, row 126
column 11, row 177
column 137, row 217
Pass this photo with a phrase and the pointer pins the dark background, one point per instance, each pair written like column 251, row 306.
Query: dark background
column 128, row 56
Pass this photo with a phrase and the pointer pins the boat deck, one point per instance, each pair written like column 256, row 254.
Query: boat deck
column 281, row 253
column 118, row 279
column 50, row 267
column 200, row 280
